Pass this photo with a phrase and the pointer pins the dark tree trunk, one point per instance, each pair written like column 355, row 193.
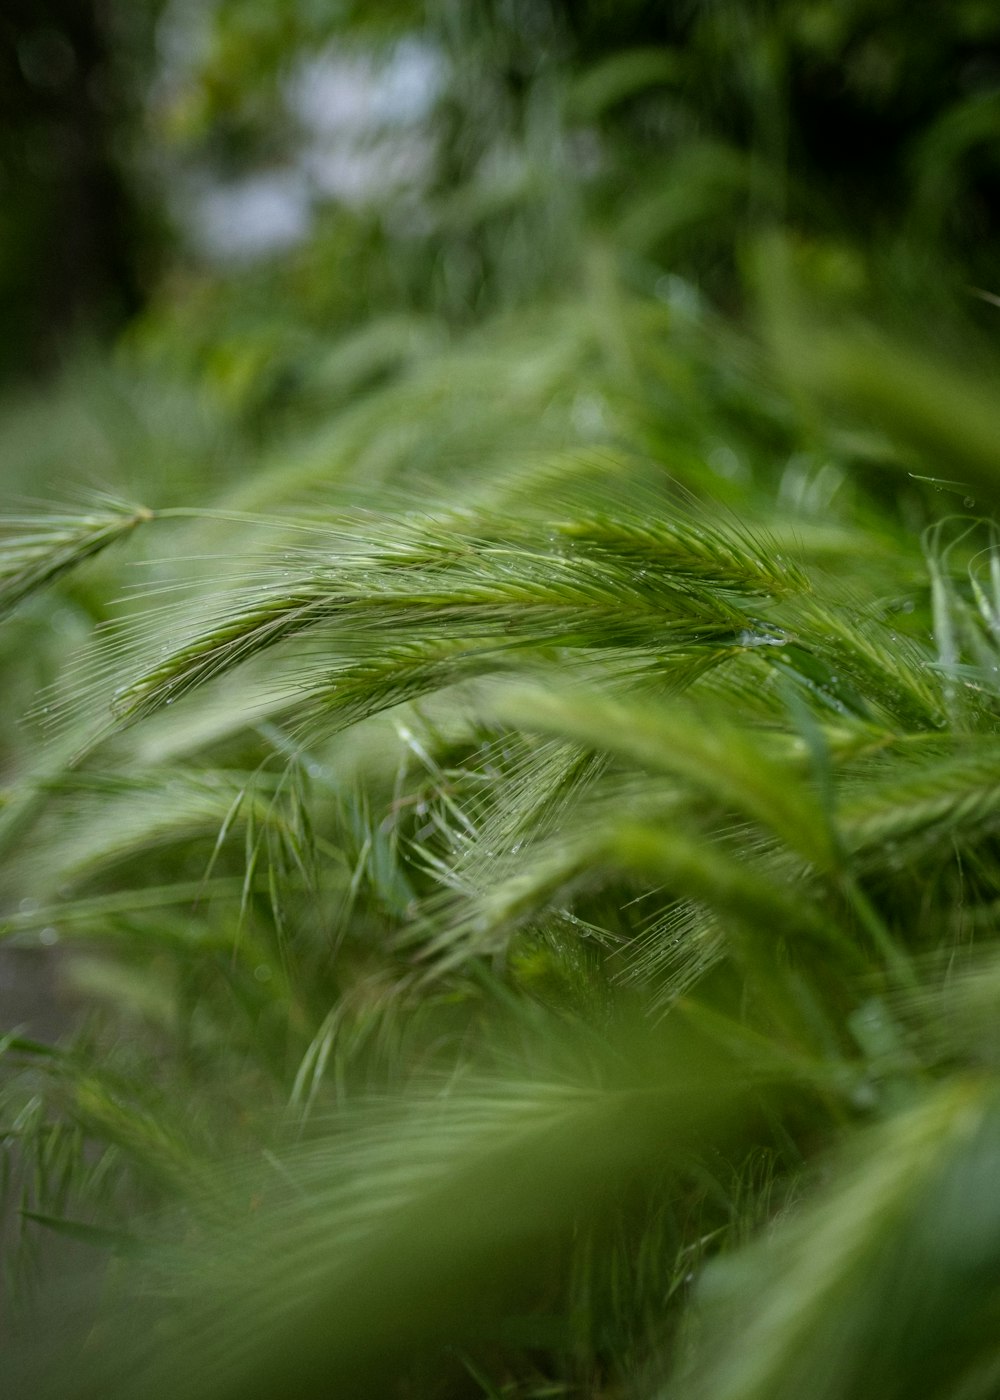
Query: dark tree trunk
column 70, row 257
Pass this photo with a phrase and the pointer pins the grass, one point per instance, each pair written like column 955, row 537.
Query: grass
column 525, row 844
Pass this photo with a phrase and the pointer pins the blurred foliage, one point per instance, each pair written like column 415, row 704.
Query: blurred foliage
column 500, row 768
column 674, row 130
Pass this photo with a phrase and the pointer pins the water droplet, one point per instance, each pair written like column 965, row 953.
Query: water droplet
column 748, row 638
column 969, row 502
column 48, row 936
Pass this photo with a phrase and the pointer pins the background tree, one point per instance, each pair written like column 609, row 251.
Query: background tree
column 79, row 240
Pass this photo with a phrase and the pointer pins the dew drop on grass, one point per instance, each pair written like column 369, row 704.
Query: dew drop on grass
column 748, row 638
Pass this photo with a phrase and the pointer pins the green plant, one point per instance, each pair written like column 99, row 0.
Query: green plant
column 508, row 829
column 538, row 942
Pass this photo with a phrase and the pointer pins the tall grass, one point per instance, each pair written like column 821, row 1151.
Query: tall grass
column 537, row 936
column 514, row 845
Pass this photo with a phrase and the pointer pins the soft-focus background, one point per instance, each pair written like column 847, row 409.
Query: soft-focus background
column 235, row 185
